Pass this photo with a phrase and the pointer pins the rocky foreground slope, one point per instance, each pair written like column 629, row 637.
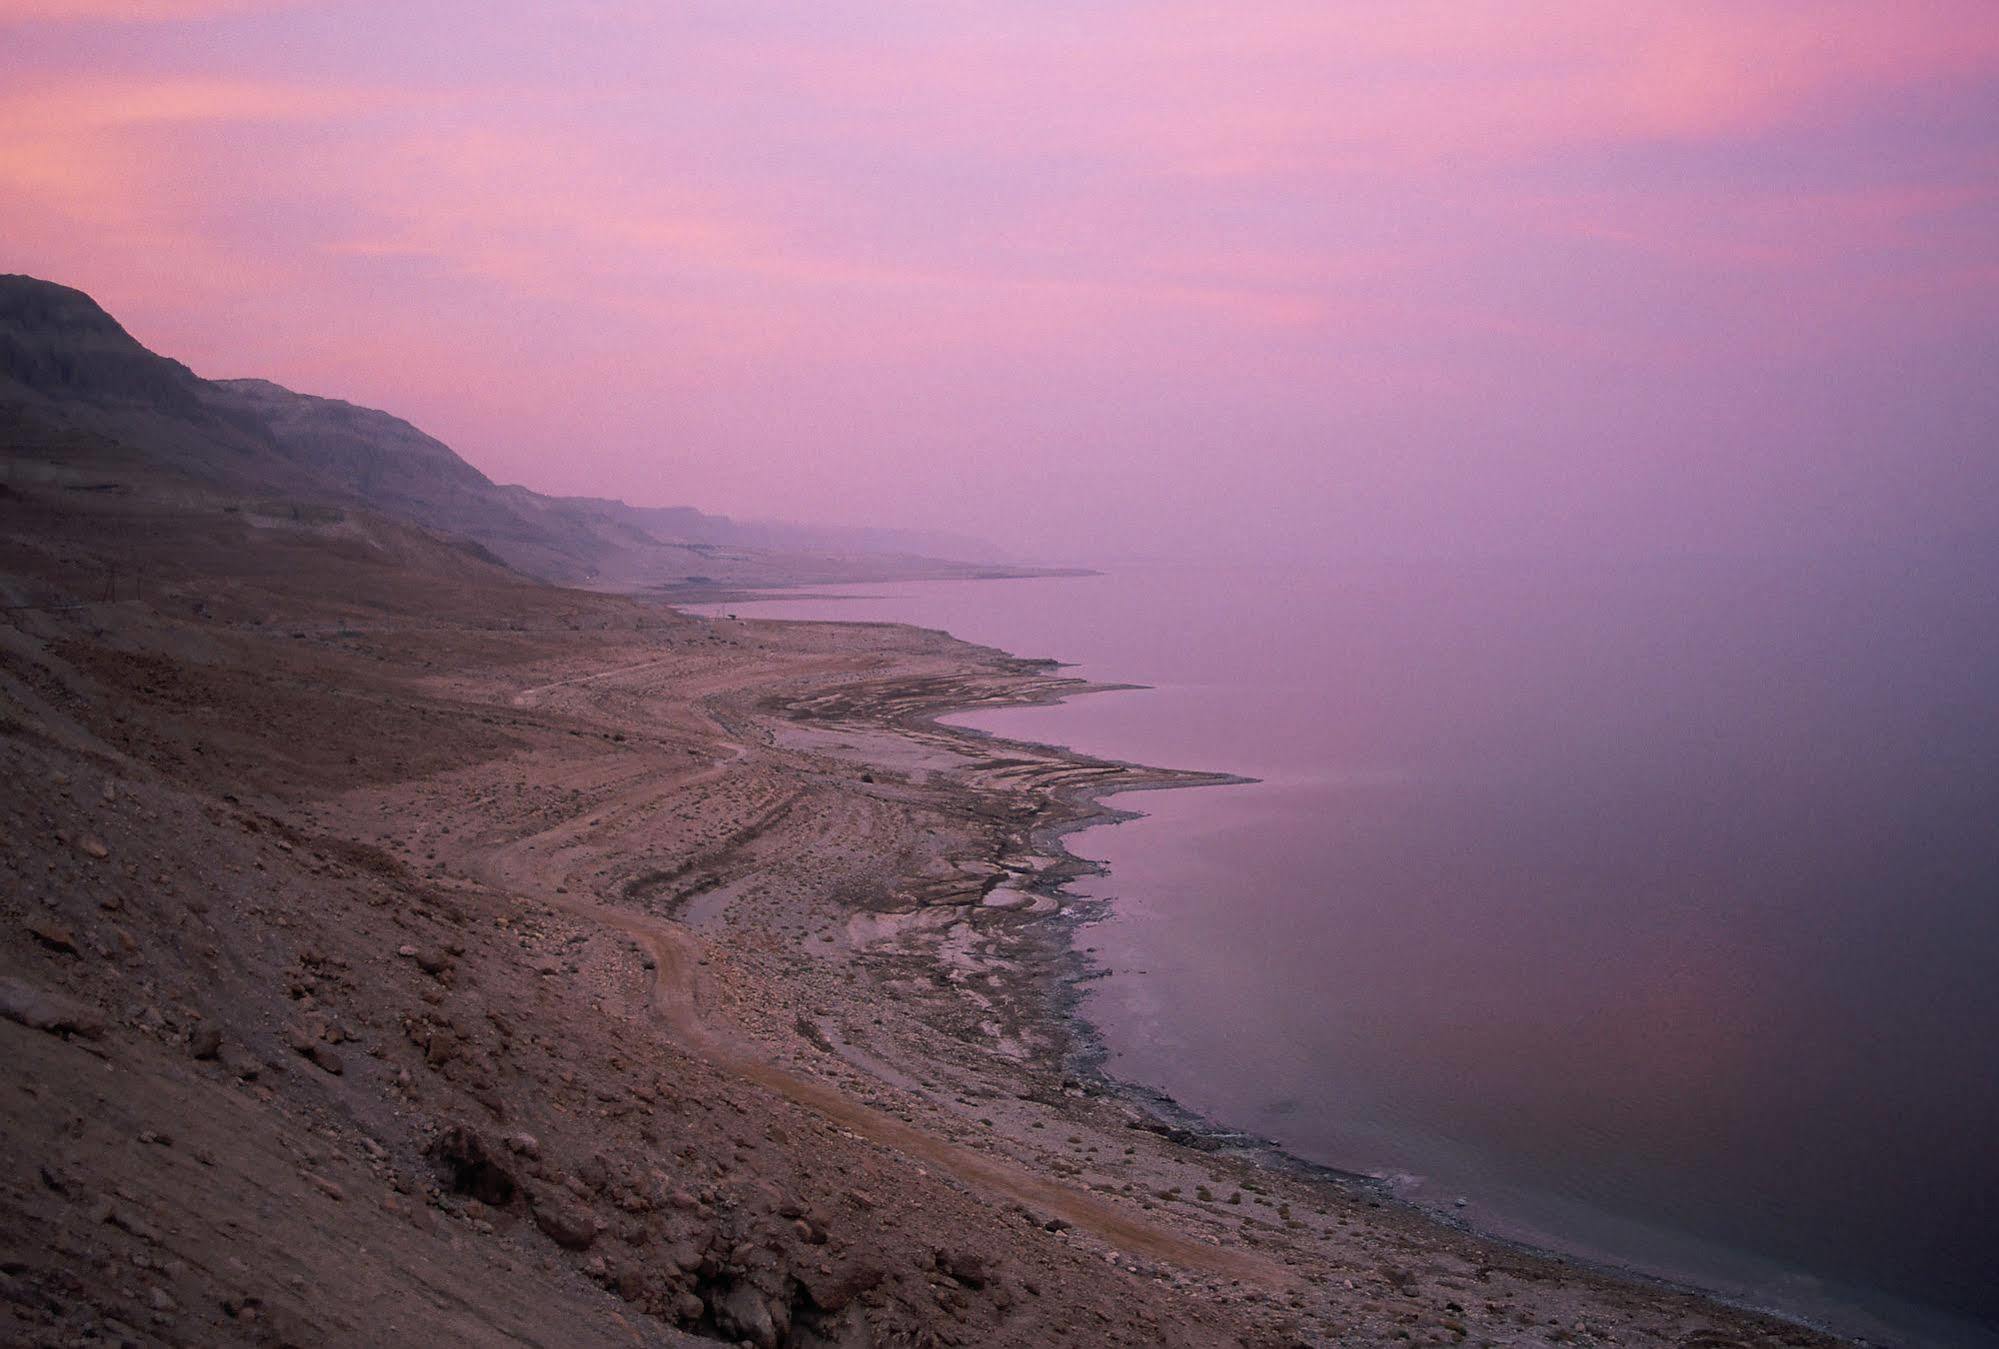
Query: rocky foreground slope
column 396, row 951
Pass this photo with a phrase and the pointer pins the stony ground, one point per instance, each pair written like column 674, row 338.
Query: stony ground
column 392, row 953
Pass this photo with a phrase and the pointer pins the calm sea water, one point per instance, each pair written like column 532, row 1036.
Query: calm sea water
column 1652, row 911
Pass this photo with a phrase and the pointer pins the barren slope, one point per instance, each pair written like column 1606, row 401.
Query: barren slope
column 395, row 951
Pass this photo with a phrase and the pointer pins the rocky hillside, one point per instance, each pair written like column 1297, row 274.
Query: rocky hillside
column 85, row 404
column 57, row 343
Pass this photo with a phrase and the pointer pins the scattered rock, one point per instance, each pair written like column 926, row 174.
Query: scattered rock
column 326, row 1187
column 967, row 1267
column 831, row 1289
column 629, row 1280
column 1172, row 1133
column 206, row 1042
column 568, row 1225
column 746, row 1315
column 125, row 1219
column 469, row 1167
column 45, row 1010
column 809, row 1029
column 53, row 935
column 428, row 958
column 91, row 846
column 240, row 1063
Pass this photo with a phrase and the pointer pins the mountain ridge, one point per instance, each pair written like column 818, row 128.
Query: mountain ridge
column 69, row 368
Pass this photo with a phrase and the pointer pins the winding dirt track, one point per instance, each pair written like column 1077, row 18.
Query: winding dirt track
column 533, row 863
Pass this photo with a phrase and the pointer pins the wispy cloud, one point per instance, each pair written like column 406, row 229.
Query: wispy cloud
column 80, row 106
column 1355, row 223
column 133, row 11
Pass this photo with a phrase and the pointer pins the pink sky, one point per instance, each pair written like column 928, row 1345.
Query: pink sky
column 1079, row 278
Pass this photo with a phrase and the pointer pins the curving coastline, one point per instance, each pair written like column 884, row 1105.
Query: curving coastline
column 1085, row 804
column 1065, row 792
column 635, row 978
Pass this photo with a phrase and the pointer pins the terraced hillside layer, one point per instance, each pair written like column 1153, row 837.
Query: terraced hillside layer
column 395, row 952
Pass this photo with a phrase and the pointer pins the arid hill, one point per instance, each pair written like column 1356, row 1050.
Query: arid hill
column 88, row 406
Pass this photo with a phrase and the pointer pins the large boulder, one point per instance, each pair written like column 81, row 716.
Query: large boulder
column 469, row 1166
column 569, row 1225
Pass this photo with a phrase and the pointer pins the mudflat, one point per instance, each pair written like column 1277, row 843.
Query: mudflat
column 399, row 951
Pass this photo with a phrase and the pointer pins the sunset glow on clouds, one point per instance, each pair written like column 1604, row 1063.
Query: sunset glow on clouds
column 1395, row 274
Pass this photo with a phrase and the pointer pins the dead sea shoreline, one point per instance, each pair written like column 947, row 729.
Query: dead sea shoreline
column 1086, row 803
column 481, row 962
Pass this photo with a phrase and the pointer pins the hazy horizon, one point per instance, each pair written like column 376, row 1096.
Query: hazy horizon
column 1308, row 279
column 1539, row 462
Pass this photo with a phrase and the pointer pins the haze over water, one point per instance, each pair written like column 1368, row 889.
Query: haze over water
column 1651, row 909
column 1647, row 905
